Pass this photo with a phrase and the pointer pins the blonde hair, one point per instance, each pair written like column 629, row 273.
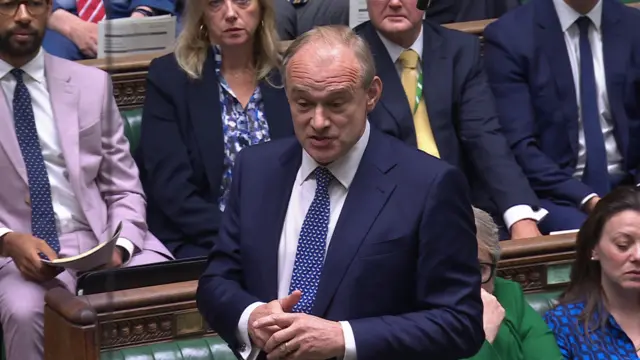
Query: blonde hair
column 193, row 43
column 334, row 35
column 487, row 233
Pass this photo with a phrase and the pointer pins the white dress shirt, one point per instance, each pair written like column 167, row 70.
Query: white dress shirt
column 68, row 213
column 512, row 214
column 568, row 17
column 304, row 188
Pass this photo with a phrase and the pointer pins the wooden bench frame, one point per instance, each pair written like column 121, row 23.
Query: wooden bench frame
column 90, row 324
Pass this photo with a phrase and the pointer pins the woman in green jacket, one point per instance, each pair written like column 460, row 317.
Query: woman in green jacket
column 513, row 329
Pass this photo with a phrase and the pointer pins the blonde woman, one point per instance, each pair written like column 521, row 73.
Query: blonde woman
column 218, row 93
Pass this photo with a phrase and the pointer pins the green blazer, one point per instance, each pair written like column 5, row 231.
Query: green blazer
column 523, row 334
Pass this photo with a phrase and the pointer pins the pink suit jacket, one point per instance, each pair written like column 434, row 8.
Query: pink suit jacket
column 102, row 172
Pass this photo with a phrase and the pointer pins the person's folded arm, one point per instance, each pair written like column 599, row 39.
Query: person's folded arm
column 484, row 143
column 538, row 341
column 448, row 322
column 159, row 6
column 167, row 168
column 517, row 116
column 221, row 297
column 62, row 21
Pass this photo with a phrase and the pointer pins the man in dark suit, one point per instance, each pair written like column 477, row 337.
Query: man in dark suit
column 369, row 242
column 453, row 117
column 563, row 74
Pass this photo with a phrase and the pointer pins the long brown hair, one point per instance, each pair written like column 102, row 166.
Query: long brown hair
column 586, row 276
column 193, row 43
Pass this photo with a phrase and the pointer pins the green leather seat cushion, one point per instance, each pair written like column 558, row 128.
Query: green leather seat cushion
column 214, row 348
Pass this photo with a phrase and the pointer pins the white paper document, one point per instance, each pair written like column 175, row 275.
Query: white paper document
column 89, row 260
column 357, row 12
column 128, row 36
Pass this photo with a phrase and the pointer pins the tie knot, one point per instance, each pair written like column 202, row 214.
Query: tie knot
column 323, row 177
column 17, row 73
column 583, row 24
column 409, row 59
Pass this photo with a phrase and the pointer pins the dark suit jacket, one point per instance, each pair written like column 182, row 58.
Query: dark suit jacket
column 449, row 11
column 181, row 157
column 461, row 112
column 530, row 74
column 402, row 265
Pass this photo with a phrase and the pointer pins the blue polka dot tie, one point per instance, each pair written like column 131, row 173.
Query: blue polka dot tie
column 312, row 244
column 43, row 223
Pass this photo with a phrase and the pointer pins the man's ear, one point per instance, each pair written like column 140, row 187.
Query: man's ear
column 373, row 93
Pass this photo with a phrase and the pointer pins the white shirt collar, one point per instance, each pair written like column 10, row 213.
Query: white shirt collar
column 395, row 50
column 34, row 68
column 568, row 15
column 343, row 169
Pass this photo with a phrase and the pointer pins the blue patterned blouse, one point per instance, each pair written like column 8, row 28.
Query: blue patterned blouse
column 241, row 127
column 608, row 342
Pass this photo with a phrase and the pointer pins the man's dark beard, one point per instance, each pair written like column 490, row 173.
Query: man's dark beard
column 14, row 49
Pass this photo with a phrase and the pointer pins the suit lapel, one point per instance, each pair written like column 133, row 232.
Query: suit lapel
column 367, row 196
column 206, row 114
column 437, row 82
column 8, row 139
column 64, row 102
column 393, row 97
column 279, row 186
column 616, row 49
column 551, row 39
column 276, row 108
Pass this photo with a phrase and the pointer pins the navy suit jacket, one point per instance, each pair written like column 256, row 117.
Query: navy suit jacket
column 461, row 112
column 401, row 267
column 530, row 74
column 181, row 152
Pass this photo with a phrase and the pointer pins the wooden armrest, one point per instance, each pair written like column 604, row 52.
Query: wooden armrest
column 538, row 246
column 143, row 297
column 72, row 308
column 471, row 27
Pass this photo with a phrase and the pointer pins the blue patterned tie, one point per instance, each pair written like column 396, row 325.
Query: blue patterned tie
column 312, row 244
column 596, row 173
column 43, row 223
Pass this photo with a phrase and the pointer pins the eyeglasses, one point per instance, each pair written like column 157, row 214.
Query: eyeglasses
column 487, row 270
column 34, row 7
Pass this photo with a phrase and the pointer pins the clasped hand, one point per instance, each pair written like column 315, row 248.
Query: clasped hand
column 283, row 335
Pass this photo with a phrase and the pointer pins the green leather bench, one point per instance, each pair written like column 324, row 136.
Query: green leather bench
column 214, row 348
column 132, row 120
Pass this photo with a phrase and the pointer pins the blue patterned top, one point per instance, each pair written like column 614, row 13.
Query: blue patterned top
column 608, row 342
column 241, row 127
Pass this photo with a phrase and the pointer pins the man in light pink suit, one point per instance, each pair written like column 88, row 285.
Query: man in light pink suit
column 66, row 176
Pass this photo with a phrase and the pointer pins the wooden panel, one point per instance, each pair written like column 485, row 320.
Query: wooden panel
column 540, row 263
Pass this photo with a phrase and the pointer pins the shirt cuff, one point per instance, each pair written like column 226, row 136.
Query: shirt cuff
column 587, row 198
column 522, row 212
column 4, row 231
column 128, row 246
column 349, row 341
column 246, row 350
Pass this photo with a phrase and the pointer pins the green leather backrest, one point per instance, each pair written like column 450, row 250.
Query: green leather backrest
column 542, row 301
column 214, row 348
column 132, row 120
column 207, row 348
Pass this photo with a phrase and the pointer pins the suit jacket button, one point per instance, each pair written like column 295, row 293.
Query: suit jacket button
column 27, row 200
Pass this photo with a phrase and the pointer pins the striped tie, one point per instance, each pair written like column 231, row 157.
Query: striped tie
column 91, row 10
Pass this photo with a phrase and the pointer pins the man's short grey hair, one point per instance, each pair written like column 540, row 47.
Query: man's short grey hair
column 487, row 233
column 336, row 35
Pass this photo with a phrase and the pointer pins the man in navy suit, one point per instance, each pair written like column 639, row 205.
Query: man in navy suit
column 369, row 244
column 460, row 117
column 563, row 74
